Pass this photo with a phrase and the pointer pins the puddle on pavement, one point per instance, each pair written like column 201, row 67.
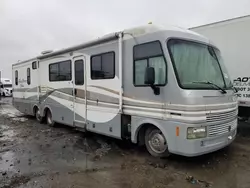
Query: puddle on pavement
column 6, row 134
column 3, row 127
column 10, row 111
column 14, row 115
column 22, row 119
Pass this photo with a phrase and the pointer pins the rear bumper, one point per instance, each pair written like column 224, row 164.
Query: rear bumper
column 198, row 147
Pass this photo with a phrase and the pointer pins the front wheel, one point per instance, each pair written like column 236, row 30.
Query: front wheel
column 156, row 143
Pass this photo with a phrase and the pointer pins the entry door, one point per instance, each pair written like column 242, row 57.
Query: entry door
column 79, row 92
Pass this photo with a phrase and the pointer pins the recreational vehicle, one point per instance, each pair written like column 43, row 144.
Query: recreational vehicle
column 163, row 87
column 6, row 87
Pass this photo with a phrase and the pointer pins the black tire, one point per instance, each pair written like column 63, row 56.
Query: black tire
column 49, row 119
column 38, row 116
column 3, row 94
column 156, row 143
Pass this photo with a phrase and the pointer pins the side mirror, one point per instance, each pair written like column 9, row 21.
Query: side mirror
column 150, row 79
column 149, row 76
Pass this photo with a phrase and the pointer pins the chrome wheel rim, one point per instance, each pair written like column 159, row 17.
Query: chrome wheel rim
column 38, row 116
column 157, row 142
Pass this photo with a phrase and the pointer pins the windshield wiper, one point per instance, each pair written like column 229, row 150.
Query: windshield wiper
column 234, row 89
column 223, row 91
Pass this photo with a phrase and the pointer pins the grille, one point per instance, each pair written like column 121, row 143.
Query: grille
column 217, row 117
column 215, row 130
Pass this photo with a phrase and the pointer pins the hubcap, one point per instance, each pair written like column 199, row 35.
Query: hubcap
column 38, row 117
column 157, row 142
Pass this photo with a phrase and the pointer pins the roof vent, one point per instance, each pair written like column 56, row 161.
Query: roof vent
column 46, row 52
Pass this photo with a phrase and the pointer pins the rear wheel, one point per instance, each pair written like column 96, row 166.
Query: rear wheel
column 38, row 116
column 156, row 143
column 49, row 118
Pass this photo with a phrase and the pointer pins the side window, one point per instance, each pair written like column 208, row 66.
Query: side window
column 53, row 72
column 79, row 72
column 28, row 76
column 103, row 66
column 16, row 77
column 65, row 71
column 34, row 66
column 60, row 71
column 149, row 55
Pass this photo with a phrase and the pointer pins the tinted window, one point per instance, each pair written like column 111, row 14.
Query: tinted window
column 53, row 72
column 79, row 72
column 149, row 55
column 16, row 77
column 60, row 71
column 28, row 76
column 103, row 66
column 34, row 65
column 65, row 70
column 147, row 50
column 8, row 85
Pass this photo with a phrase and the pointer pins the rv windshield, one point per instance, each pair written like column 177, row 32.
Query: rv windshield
column 195, row 64
column 7, row 85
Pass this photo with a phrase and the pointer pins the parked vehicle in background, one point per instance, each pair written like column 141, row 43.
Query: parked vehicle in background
column 6, row 87
column 233, row 39
column 163, row 87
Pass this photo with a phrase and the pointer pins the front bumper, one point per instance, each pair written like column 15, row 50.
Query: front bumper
column 202, row 146
column 8, row 92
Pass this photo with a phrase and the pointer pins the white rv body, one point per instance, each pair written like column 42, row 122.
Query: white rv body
column 127, row 85
column 233, row 39
column 6, row 87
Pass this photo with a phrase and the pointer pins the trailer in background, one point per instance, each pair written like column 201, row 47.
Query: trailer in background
column 5, row 87
column 233, row 38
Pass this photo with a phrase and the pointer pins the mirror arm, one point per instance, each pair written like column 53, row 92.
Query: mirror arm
column 155, row 89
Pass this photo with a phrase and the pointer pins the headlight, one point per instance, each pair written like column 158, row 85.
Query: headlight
column 196, row 132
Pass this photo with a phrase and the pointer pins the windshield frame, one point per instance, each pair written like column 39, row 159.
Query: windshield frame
column 207, row 87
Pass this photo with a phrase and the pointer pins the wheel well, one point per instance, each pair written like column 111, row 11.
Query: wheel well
column 46, row 110
column 35, row 108
column 141, row 133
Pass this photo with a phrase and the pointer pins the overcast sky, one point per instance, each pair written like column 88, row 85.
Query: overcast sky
column 28, row 27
